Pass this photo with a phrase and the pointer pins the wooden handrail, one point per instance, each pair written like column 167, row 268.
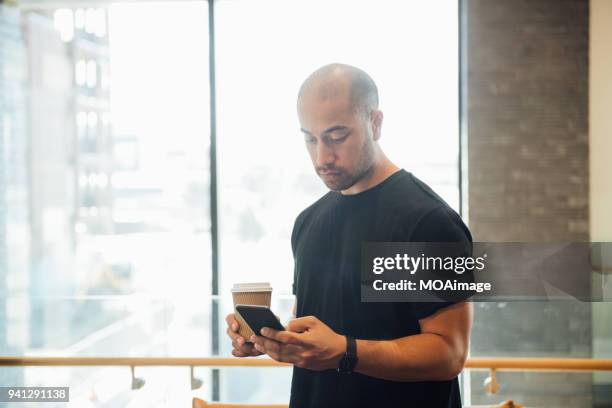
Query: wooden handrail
column 141, row 361
column 475, row 363
column 539, row 363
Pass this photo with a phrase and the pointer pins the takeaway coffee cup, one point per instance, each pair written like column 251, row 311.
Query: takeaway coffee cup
column 257, row 293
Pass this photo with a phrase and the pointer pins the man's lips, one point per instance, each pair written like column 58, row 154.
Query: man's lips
column 329, row 173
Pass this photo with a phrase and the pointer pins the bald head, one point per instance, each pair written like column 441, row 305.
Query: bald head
column 341, row 80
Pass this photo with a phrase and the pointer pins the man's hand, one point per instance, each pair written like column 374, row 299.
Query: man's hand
column 307, row 343
column 241, row 347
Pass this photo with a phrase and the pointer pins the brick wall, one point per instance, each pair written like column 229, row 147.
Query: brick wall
column 527, row 107
column 527, row 110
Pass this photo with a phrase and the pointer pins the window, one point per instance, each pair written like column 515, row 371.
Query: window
column 265, row 174
column 266, row 177
column 114, row 223
column 106, row 200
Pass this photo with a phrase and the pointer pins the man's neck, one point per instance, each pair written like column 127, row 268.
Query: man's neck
column 377, row 174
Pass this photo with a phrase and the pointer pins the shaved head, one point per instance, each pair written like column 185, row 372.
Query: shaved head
column 341, row 80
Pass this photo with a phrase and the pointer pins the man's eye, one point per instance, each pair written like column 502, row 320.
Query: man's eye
column 310, row 139
column 338, row 137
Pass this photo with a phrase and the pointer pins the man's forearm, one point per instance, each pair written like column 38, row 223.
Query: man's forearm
column 421, row 357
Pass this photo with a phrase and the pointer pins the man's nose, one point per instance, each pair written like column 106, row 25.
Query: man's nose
column 325, row 155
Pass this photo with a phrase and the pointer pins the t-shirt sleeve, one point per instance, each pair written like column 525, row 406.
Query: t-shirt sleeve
column 442, row 224
column 296, row 226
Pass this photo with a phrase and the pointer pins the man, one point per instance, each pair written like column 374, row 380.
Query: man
column 347, row 353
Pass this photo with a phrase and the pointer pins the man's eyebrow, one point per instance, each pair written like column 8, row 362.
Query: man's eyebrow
column 334, row 128
column 328, row 130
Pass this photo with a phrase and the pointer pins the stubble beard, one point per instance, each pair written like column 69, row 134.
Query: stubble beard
column 346, row 180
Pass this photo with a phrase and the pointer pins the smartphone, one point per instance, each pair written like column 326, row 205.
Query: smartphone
column 259, row 316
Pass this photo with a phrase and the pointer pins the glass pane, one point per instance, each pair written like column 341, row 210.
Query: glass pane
column 110, row 387
column 104, row 179
column 266, row 177
column 144, row 326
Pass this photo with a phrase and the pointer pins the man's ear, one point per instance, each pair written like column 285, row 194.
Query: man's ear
column 376, row 117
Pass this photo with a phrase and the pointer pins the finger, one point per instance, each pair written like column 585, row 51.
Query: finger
column 285, row 353
column 233, row 335
column 232, row 322
column 288, row 353
column 238, row 353
column 300, row 324
column 291, row 354
column 237, row 345
column 252, row 353
column 283, row 336
column 276, row 350
column 247, row 348
column 265, row 345
column 274, row 356
column 260, row 348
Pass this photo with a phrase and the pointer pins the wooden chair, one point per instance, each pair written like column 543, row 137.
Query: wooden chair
column 200, row 403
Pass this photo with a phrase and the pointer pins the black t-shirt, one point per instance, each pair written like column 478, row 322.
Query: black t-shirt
column 326, row 243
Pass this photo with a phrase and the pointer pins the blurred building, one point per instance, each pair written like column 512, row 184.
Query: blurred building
column 55, row 163
column 94, row 151
column 70, row 148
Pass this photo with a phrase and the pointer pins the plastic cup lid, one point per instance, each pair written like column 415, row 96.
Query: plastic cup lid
column 252, row 287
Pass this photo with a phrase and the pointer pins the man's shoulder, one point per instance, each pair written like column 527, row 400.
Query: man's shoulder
column 416, row 204
column 411, row 197
column 412, row 190
column 320, row 204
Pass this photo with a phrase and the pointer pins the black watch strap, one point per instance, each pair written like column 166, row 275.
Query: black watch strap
column 349, row 359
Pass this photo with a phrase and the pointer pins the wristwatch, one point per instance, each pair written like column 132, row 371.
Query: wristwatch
column 349, row 359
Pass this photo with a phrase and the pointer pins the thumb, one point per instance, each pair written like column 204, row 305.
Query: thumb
column 299, row 325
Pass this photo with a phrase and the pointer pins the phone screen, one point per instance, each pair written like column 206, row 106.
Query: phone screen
column 258, row 317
